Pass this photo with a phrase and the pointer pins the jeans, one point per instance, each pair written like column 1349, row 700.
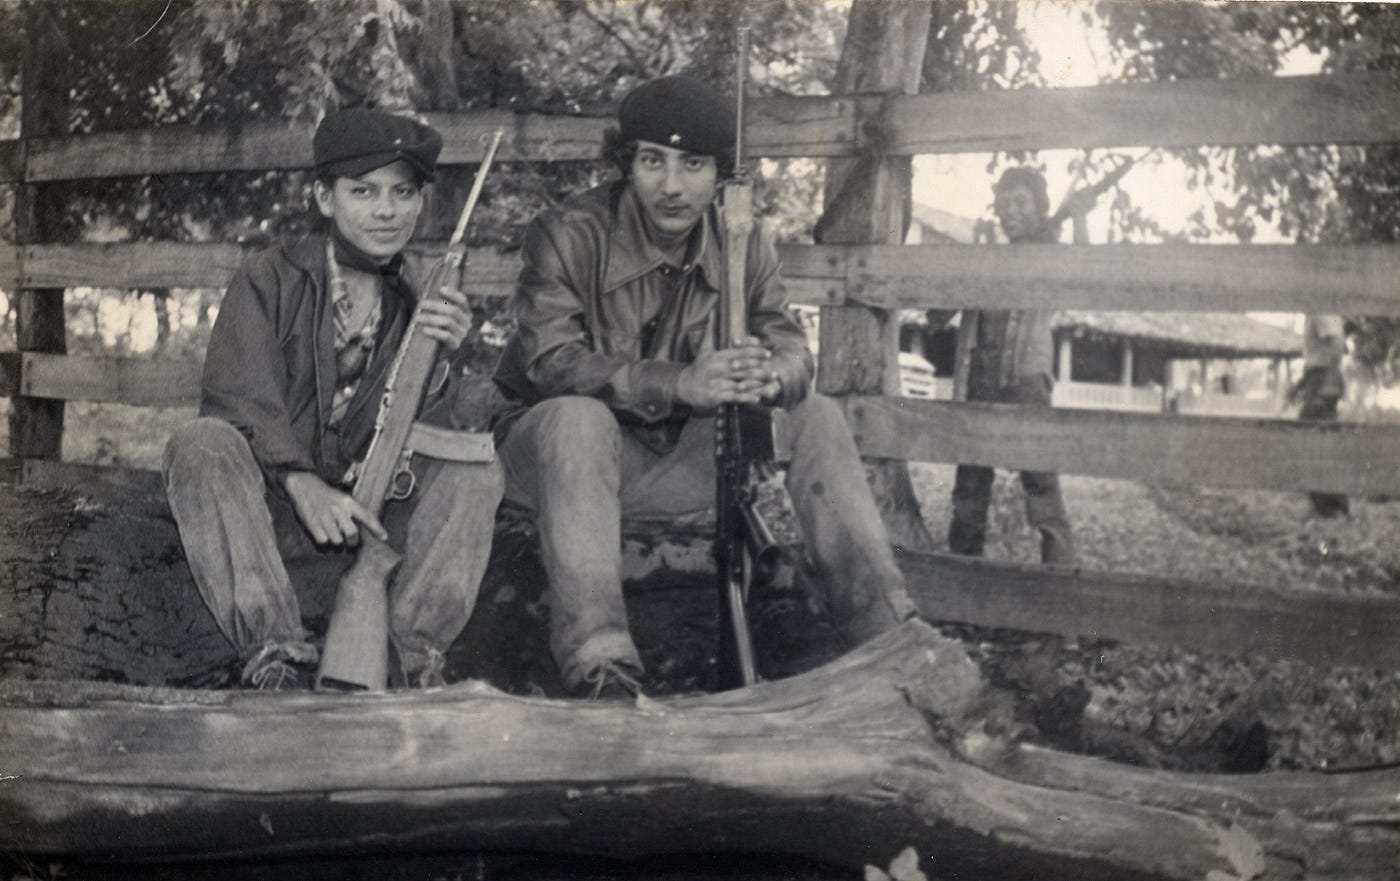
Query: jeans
column 972, row 487
column 568, row 460
column 240, row 539
column 1320, row 405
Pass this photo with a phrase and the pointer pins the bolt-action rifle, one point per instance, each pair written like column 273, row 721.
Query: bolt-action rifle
column 1090, row 194
column 745, row 550
column 356, row 654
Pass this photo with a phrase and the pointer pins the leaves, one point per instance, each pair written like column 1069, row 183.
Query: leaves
column 904, row 867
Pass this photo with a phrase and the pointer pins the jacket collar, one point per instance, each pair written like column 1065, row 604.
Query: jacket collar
column 631, row 253
column 308, row 254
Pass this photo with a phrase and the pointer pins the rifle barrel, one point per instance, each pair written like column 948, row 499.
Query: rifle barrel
column 740, row 74
column 461, row 229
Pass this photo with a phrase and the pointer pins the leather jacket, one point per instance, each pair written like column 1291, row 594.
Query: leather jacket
column 600, row 313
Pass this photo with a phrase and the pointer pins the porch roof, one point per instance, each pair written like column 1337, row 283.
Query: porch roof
column 1186, row 334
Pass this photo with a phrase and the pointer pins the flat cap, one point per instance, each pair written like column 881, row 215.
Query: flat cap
column 680, row 112
column 349, row 143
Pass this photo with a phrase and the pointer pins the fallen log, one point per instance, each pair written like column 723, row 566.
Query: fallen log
column 849, row 763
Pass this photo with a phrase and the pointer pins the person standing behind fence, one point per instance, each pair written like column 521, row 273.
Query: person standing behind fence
column 293, row 377
column 1007, row 356
column 1319, row 390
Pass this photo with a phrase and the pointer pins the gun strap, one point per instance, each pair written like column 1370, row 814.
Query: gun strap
column 448, row 445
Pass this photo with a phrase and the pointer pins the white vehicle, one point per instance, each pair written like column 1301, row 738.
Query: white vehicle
column 916, row 377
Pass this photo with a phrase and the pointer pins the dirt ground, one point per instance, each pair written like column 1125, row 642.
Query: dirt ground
column 1238, row 713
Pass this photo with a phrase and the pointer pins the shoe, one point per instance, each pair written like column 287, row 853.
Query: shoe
column 609, row 682
column 431, row 674
column 280, row 667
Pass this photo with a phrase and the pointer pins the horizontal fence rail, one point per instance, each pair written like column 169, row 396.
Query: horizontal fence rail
column 1345, row 279
column 1332, row 109
column 1320, row 628
column 1218, row 451
column 1188, row 451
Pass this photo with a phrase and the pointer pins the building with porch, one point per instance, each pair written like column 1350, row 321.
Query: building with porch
column 1186, row 362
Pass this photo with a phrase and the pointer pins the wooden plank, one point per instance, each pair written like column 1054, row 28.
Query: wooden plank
column 1331, row 109
column 1353, row 108
column 11, row 274
column 1319, row 628
column 489, row 272
column 864, row 202
column 1183, row 450
column 47, row 474
column 802, row 126
column 137, row 381
column 1346, row 279
column 131, row 265
column 36, row 426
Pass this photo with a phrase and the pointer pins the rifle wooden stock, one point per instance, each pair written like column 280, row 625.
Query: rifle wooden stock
column 357, row 639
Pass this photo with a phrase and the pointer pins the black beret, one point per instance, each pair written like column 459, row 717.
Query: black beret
column 349, row 143
column 680, row 112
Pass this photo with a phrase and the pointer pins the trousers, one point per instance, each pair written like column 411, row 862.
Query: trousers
column 1321, row 390
column 569, row 461
column 972, row 486
column 240, row 540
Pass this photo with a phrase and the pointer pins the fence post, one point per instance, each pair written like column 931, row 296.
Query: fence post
column 36, row 424
column 867, row 202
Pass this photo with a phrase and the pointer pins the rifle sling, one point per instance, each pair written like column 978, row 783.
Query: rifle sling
column 451, row 446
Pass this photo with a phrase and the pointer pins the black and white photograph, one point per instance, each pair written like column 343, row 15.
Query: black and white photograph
column 699, row 440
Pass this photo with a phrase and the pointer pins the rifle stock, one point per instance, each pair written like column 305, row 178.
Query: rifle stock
column 356, row 653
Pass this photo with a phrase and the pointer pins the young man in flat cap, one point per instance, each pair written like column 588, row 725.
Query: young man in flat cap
column 293, row 378
column 1009, row 357
column 616, row 381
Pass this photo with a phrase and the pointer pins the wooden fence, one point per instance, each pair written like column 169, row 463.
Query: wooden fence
column 1224, row 452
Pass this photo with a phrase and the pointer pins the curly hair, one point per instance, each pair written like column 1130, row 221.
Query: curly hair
column 620, row 152
column 1031, row 179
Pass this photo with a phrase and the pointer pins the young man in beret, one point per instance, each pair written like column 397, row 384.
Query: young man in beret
column 1009, row 357
column 293, row 379
column 616, row 381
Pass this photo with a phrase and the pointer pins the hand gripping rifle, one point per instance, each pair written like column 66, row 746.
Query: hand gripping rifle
column 744, row 546
column 357, row 640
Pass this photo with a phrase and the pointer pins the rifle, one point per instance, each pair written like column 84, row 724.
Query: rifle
column 745, row 549
column 1092, row 192
column 356, row 654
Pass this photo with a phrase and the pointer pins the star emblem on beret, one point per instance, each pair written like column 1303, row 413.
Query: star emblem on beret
column 675, row 139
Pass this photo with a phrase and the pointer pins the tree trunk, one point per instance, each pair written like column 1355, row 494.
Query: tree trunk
column 867, row 202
